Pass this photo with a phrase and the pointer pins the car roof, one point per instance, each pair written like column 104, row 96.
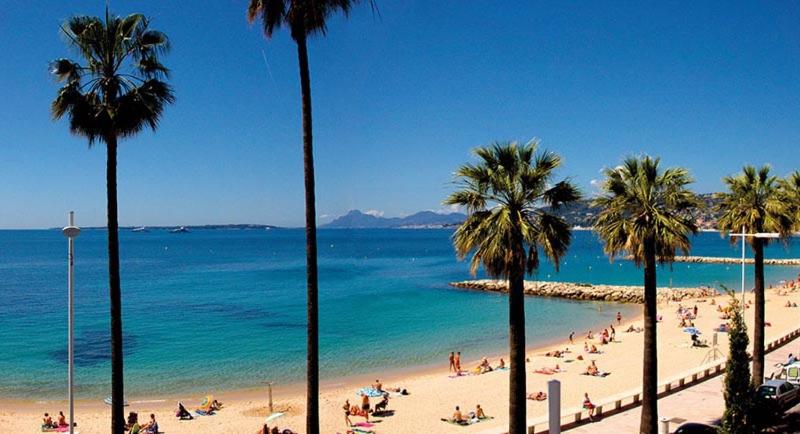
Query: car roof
column 774, row 383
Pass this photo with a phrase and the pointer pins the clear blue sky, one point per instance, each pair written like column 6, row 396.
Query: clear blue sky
column 399, row 100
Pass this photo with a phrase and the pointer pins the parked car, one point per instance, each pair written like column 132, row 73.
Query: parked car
column 695, row 428
column 780, row 392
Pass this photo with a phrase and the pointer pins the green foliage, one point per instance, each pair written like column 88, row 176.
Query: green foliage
column 118, row 90
column 303, row 17
column 639, row 201
column 508, row 195
column 756, row 201
column 738, row 390
column 790, row 189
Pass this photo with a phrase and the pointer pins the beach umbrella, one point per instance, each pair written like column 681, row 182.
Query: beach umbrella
column 692, row 331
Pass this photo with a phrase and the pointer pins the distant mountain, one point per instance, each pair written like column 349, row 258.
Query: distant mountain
column 423, row 219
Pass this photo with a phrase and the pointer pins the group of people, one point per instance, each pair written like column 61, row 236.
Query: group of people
column 275, row 430
column 468, row 419
column 48, row 424
column 133, row 427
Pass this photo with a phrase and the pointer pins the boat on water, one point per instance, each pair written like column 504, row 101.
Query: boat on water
column 140, row 229
column 179, row 230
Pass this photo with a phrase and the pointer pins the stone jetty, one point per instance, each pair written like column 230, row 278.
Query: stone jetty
column 725, row 260
column 587, row 291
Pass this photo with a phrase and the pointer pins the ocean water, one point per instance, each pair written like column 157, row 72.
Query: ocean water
column 225, row 309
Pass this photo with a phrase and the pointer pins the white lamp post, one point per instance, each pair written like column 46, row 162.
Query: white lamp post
column 71, row 232
column 744, row 235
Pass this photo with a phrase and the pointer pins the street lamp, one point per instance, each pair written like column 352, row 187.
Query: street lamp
column 744, row 235
column 71, row 232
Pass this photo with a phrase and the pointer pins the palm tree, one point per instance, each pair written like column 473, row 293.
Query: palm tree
column 754, row 202
column 791, row 190
column 116, row 94
column 510, row 202
column 647, row 213
column 304, row 18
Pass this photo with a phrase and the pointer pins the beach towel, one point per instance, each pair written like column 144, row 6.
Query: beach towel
column 369, row 391
column 505, row 368
column 204, row 413
column 599, row 374
column 364, row 425
column 467, row 422
column 362, row 430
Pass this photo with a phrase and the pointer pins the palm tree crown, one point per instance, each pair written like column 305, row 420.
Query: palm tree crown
column 118, row 91
column 791, row 192
column 304, row 17
column 508, row 195
column 639, row 201
column 754, row 200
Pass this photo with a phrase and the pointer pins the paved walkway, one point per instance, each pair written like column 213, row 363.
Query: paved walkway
column 701, row 403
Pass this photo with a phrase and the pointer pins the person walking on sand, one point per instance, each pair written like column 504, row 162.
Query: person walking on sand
column 571, row 335
column 619, row 318
column 458, row 362
column 452, row 361
column 613, row 331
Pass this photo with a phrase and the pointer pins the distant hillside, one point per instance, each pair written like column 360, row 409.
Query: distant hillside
column 423, row 219
column 579, row 214
column 584, row 215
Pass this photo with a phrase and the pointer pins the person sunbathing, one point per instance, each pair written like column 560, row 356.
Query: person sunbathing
column 540, row 396
column 378, row 386
column 150, row 427
column 457, row 416
column 47, row 422
column 62, row 420
column 592, row 369
column 479, row 412
column 502, row 364
column 593, row 350
column 554, row 353
column 182, row 413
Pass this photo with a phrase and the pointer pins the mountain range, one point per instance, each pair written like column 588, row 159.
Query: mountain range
column 423, row 219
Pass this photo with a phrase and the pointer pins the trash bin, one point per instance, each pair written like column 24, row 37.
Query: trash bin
column 663, row 426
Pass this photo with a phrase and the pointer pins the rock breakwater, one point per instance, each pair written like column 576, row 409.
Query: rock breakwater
column 587, row 291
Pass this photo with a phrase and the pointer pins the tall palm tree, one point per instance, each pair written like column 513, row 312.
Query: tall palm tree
column 510, row 198
column 117, row 93
column 754, row 201
column 647, row 213
column 305, row 18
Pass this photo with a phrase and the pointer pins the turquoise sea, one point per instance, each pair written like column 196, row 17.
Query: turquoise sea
column 225, row 309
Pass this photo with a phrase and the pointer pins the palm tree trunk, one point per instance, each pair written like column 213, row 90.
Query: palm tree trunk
column 312, row 368
column 758, row 326
column 517, row 419
column 648, row 423
column 117, row 381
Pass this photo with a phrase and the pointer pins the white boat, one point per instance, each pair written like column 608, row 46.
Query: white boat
column 140, row 229
column 179, row 230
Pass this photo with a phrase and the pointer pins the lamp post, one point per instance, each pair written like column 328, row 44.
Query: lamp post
column 744, row 235
column 71, row 232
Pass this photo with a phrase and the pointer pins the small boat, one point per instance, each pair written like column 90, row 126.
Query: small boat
column 140, row 229
column 179, row 230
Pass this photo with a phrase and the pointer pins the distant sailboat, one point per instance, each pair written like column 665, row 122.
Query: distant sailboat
column 140, row 229
column 179, row 230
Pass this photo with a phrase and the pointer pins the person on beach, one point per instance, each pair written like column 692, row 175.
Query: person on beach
column 540, row 396
column 47, row 422
column 593, row 350
column 613, row 332
column 571, row 335
column 458, row 361
column 619, row 318
column 479, row 412
column 133, row 423
column 585, row 346
column 365, row 405
column 587, row 404
column 589, row 335
column 452, row 362
column 150, row 427
column 457, row 416
column 62, row 420
column 378, row 386
column 182, row 413
column 502, row 364
column 346, row 409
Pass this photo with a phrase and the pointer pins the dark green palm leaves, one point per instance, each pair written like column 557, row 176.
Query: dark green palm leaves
column 118, row 90
column 638, row 201
column 510, row 193
column 304, row 17
column 756, row 201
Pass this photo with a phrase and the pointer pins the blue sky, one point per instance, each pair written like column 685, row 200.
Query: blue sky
column 399, row 101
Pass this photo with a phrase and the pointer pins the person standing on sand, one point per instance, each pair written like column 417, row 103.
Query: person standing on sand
column 619, row 318
column 452, row 361
column 458, row 362
column 613, row 331
column 346, row 409
column 571, row 335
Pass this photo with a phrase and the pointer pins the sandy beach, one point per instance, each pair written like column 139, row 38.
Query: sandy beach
column 433, row 393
